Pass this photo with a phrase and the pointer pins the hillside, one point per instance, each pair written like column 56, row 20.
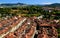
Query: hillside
column 53, row 5
column 22, row 4
column 11, row 4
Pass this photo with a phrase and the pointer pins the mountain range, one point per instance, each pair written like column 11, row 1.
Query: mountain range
column 53, row 5
column 11, row 4
column 22, row 4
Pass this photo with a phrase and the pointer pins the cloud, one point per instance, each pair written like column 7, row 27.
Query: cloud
column 46, row 3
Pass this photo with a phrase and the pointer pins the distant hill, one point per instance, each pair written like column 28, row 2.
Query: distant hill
column 22, row 4
column 53, row 5
column 11, row 4
column 7, row 5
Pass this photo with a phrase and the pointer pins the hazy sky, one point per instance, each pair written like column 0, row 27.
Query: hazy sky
column 31, row 1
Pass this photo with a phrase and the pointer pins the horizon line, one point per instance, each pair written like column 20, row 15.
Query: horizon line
column 47, row 3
